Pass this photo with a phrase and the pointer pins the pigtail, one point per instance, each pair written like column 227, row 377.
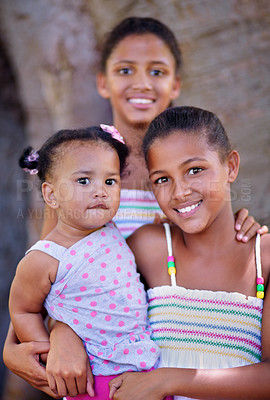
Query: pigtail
column 29, row 161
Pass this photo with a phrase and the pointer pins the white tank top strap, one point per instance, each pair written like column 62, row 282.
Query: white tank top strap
column 258, row 256
column 170, row 258
column 260, row 279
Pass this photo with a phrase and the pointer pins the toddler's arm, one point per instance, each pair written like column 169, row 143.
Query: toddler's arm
column 31, row 284
column 68, row 367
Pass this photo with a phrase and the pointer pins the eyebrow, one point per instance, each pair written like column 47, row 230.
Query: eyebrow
column 80, row 172
column 89, row 172
column 194, row 159
column 184, row 163
column 133, row 62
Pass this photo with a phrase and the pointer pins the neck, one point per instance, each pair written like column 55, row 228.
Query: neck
column 66, row 235
column 133, row 135
column 219, row 235
column 136, row 174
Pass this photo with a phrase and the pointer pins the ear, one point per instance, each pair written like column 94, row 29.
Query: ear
column 176, row 89
column 102, row 86
column 233, row 165
column 48, row 195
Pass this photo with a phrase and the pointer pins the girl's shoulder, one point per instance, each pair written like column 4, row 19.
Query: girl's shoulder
column 149, row 245
column 150, row 236
column 37, row 264
column 146, row 237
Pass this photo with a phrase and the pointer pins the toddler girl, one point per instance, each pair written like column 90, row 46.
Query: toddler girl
column 83, row 271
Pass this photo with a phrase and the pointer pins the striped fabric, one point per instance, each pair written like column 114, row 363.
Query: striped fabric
column 205, row 329
column 137, row 207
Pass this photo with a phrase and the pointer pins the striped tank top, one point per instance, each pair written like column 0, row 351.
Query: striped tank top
column 137, row 207
column 205, row 329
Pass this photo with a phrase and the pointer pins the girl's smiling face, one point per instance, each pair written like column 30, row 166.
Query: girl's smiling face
column 140, row 79
column 85, row 187
column 189, row 180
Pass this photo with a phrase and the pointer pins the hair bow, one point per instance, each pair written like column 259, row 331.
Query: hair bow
column 33, row 156
column 113, row 132
column 31, row 171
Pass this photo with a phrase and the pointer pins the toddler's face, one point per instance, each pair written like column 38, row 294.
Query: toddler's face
column 87, row 185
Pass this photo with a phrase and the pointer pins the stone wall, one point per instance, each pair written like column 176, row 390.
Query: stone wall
column 53, row 47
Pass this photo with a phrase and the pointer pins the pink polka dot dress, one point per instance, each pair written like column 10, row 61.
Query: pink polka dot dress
column 98, row 293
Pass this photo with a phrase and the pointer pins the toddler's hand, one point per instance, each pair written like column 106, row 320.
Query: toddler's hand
column 68, row 368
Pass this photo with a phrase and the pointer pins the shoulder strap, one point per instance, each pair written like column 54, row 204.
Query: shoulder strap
column 170, row 259
column 48, row 247
column 258, row 256
column 260, row 280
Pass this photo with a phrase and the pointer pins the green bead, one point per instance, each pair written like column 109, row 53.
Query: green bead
column 260, row 287
column 171, row 264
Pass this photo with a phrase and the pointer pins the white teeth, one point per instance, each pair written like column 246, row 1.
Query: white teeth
column 189, row 208
column 140, row 101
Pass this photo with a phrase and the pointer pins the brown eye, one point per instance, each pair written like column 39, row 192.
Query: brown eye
column 83, row 181
column 110, row 182
column 156, row 72
column 194, row 171
column 125, row 71
column 163, row 179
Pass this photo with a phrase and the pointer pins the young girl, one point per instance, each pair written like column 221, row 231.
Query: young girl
column 140, row 76
column 83, row 271
column 206, row 309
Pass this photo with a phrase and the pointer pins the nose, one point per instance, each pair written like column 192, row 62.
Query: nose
column 181, row 190
column 142, row 81
column 100, row 191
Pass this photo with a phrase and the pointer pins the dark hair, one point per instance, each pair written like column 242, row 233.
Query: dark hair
column 51, row 149
column 139, row 26
column 191, row 121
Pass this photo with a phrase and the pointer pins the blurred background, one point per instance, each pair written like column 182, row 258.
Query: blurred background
column 49, row 53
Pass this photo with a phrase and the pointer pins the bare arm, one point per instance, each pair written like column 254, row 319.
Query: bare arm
column 68, row 372
column 242, row 383
column 29, row 288
column 23, row 360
